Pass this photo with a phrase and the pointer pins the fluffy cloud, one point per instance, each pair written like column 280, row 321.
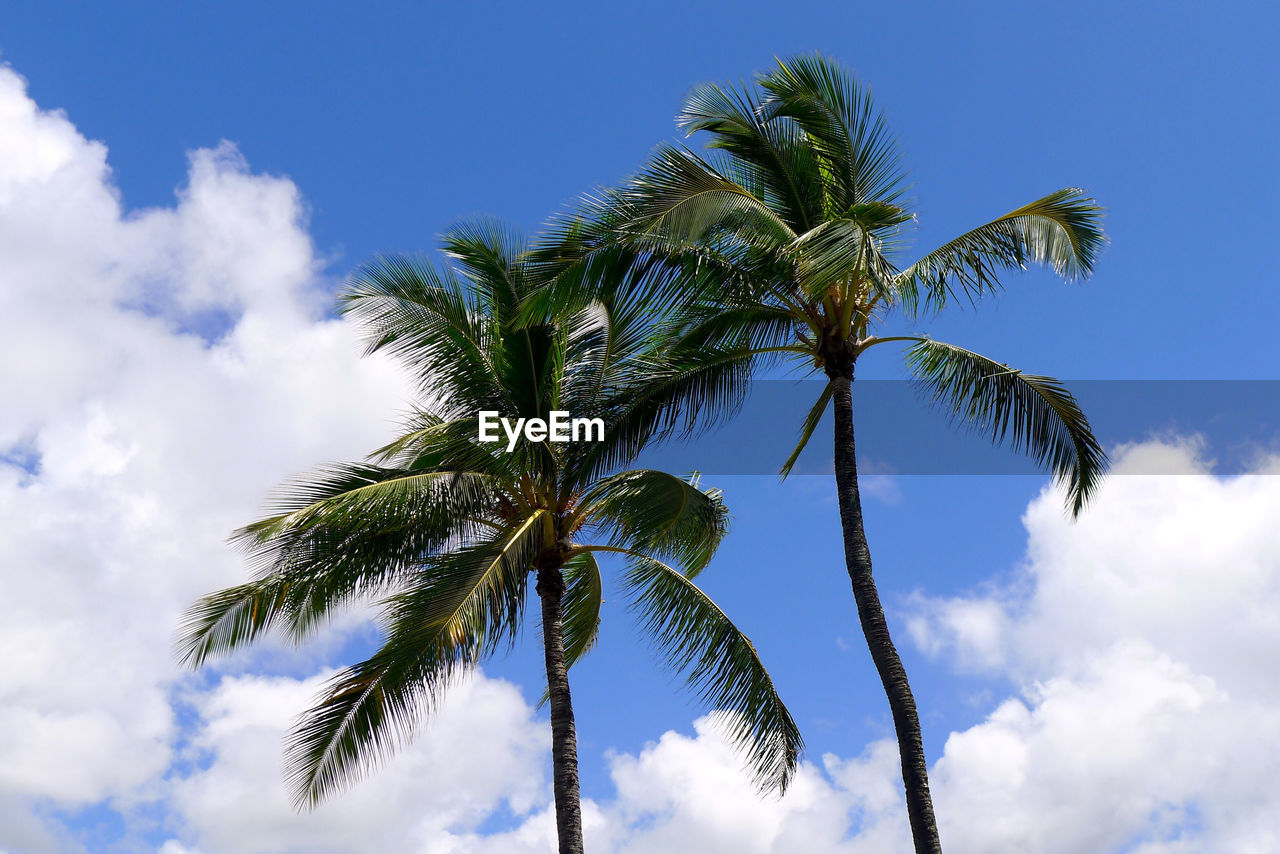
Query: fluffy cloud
column 1143, row 639
column 163, row 369
column 482, row 749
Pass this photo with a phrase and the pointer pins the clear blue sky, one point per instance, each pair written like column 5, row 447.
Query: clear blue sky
column 395, row 119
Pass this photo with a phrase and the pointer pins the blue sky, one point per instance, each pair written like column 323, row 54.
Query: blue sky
column 369, row 129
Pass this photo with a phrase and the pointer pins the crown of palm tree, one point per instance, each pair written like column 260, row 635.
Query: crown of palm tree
column 444, row 531
column 787, row 239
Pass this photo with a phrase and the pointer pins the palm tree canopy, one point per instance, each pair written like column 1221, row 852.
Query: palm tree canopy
column 787, row 238
column 442, row 531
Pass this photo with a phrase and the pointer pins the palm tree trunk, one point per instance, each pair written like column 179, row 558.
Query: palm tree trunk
column 906, row 723
column 564, row 738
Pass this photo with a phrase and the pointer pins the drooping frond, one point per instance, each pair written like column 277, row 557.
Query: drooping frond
column 347, row 532
column 721, row 664
column 583, row 596
column 1063, row 230
column 231, row 618
column 811, row 422
column 462, row 606
column 368, row 710
column 1035, row 414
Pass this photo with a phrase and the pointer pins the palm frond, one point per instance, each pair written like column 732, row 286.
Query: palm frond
column 426, row 319
column 583, row 596
column 680, row 198
column 466, row 603
column 660, row 514
column 773, row 156
column 1035, row 414
column 838, row 113
column 1063, row 230
column 671, row 398
column 490, row 255
column 345, row 533
column 806, row 430
column 224, row 621
column 722, row 666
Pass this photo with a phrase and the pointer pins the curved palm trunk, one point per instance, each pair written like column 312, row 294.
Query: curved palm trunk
column 564, row 738
column 906, row 723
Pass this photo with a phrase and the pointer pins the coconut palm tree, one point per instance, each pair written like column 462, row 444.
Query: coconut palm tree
column 785, row 243
column 446, row 532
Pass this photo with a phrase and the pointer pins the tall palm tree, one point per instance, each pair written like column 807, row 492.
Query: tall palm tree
column 785, row 242
column 445, row 531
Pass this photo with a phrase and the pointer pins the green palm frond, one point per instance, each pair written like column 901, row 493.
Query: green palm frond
column 1035, row 414
column 659, row 514
column 754, row 326
column 464, row 605
column 721, row 664
column 229, row 619
column 367, row 711
column 810, row 424
column 679, row 198
column 841, row 118
column 489, row 255
column 346, row 532
column 583, row 596
column 425, row 318
column 771, row 156
column 671, row 397
column 351, row 496
column 1063, row 230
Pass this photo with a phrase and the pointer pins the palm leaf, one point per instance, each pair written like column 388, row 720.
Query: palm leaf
column 722, row 666
column 838, row 113
column 1063, row 230
column 680, row 198
column 806, row 430
column 660, row 514
column 1035, row 414
column 463, row 606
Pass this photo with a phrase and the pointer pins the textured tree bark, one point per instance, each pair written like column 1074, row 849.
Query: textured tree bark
column 564, row 737
column 906, row 722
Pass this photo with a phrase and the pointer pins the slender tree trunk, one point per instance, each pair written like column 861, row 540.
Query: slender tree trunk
column 906, row 723
column 564, row 738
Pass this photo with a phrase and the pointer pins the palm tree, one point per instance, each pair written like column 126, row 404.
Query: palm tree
column 784, row 243
column 445, row 532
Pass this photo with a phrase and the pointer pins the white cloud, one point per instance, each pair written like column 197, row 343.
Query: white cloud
column 151, row 427
column 1143, row 637
column 483, row 748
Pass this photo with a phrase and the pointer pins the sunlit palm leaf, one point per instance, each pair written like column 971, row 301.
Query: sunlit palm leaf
column 772, row 156
column 679, row 197
column 659, row 514
column 1063, row 230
